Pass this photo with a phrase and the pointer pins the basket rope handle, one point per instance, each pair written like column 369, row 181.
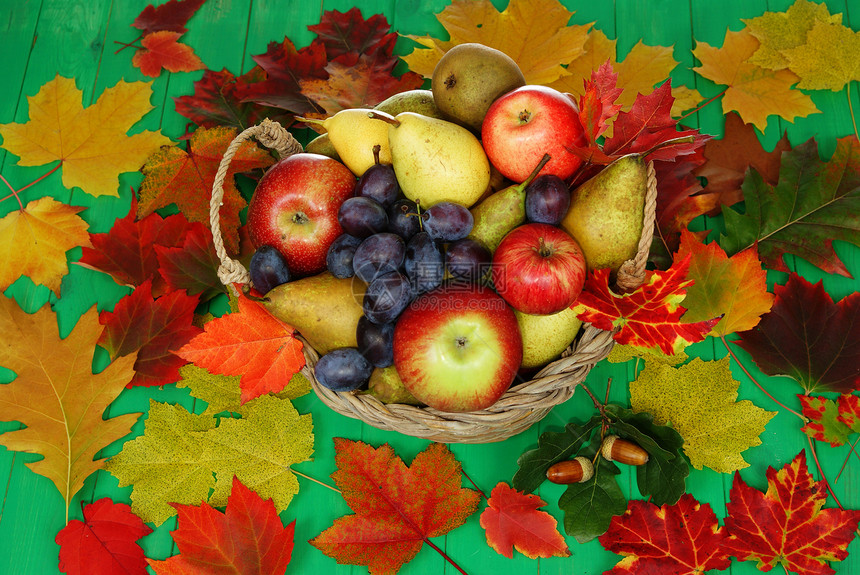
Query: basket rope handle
column 631, row 274
column 272, row 135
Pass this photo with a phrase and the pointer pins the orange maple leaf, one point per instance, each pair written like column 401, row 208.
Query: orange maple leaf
column 754, row 92
column 250, row 343
column 162, row 50
column 34, row 242
column 91, row 142
column 173, row 175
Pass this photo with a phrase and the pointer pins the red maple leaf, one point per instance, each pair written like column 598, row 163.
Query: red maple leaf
column 152, row 327
column 192, row 266
column 397, row 508
column 250, row 343
column 512, row 519
column 786, row 525
column 162, row 50
column 849, row 411
column 808, row 338
column 680, row 539
column 127, row 252
column 172, row 15
column 829, row 420
column 285, row 67
column 247, row 539
column 105, row 542
column 648, row 317
column 349, row 33
column 597, row 104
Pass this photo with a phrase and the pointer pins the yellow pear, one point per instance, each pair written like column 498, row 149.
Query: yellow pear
column 353, row 134
column 324, row 309
column 546, row 336
column 436, row 160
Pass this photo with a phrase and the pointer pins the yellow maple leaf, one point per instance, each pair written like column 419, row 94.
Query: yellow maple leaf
column 753, row 92
column 57, row 396
column 828, row 60
column 34, row 242
column 535, row 33
column 778, row 31
column 91, row 143
column 699, row 399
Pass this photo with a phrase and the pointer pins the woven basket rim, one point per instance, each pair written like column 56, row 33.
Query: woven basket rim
column 521, row 406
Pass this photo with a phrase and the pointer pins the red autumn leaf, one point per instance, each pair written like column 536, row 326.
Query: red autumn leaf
column 597, row 104
column 349, row 33
column 193, row 266
column 127, row 252
column 162, row 50
column 250, row 343
column 512, row 519
column 172, row 15
column 397, row 508
column 809, row 338
column 648, row 317
column 849, row 411
column 829, row 420
column 285, row 67
column 247, row 539
column 176, row 176
column 680, row 539
column 154, row 328
column 105, row 542
column 786, row 525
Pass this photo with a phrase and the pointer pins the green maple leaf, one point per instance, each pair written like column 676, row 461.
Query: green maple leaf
column 699, row 399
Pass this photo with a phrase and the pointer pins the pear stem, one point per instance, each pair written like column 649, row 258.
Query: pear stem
column 384, row 117
column 376, row 149
column 543, row 161
column 310, row 121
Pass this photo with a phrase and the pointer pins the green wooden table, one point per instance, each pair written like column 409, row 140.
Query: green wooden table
column 42, row 38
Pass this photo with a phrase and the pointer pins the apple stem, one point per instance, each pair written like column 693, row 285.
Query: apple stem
column 543, row 161
column 384, row 117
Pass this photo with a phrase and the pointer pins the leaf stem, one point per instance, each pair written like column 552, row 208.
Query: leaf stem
column 700, row 106
column 821, row 472
column 475, row 485
column 851, row 108
column 300, row 474
column 14, row 193
column 34, row 182
column 597, row 404
column 129, row 45
column 847, row 457
column 443, row 554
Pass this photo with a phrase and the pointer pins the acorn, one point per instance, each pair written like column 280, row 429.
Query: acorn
column 578, row 470
column 616, row 449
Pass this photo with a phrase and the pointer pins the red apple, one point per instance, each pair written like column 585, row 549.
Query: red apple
column 524, row 124
column 539, row 269
column 294, row 209
column 458, row 348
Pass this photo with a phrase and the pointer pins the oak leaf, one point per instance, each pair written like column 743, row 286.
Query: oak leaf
column 185, row 177
column 699, row 399
column 753, row 92
column 535, row 33
column 512, row 519
column 397, row 508
column 57, row 396
column 808, row 337
column 186, row 458
column 733, row 288
column 786, row 525
column 92, row 142
column 648, row 317
column 163, row 50
column 152, row 329
column 172, row 15
column 829, row 420
column 252, row 344
column 34, row 242
column 827, row 60
column 248, row 538
column 104, row 542
column 680, row 539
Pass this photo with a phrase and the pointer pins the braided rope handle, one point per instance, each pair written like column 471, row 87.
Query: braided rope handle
column 270, row 134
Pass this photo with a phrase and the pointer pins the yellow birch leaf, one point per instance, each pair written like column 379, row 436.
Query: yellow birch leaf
column 753, row 92
column 699, row 400
column 91, row 143
column 535, row 33
column 57, row 396
column 623, row 353
column 829, row 59
column 778, row 31
column 34, row 242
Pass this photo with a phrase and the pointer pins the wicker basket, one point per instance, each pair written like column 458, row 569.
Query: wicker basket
column 523, row 405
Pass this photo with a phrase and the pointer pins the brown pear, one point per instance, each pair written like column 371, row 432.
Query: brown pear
column 324, row 309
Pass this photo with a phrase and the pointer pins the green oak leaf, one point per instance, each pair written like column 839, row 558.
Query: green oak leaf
column 589, row 507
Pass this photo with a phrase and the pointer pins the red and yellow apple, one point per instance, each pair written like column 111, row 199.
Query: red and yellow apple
column 458, row 348
column 294, row 209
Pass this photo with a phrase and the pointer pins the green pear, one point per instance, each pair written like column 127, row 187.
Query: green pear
column 324, row 309
column 386, row 386
column 436, row 160
column 353, row 134
column 322, row 145
column 606, row 211
column 418, row 101
column 546, row 336
column 502, row 211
